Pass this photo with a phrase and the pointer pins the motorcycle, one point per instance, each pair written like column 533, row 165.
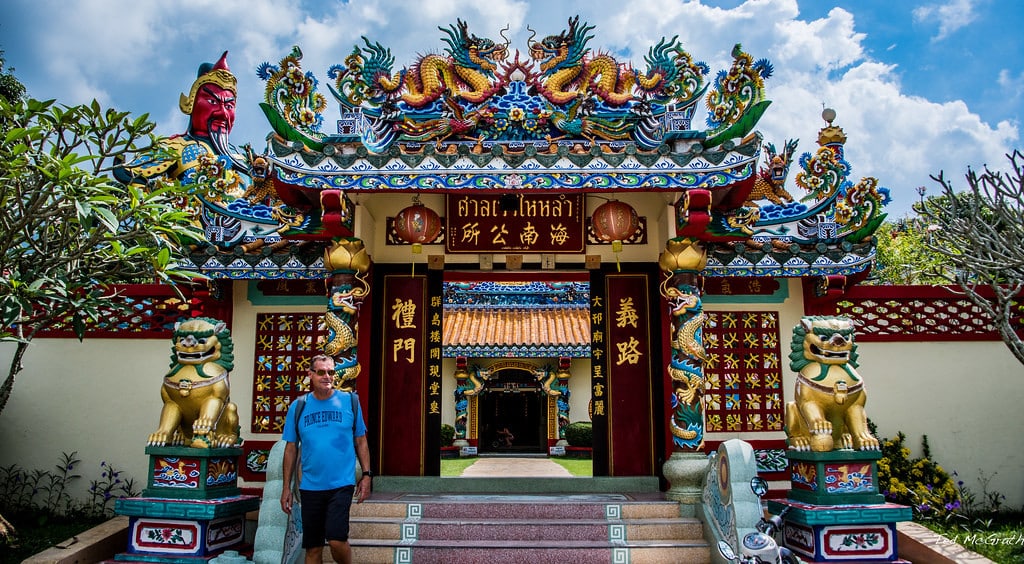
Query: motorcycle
column 759, row 547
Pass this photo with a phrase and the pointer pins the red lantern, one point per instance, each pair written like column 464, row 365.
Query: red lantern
column 615, row 222
column 417, row 224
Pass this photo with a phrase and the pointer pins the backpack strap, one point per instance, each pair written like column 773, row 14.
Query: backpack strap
column 300, row 405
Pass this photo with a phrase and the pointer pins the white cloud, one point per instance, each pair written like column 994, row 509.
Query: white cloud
column 142, row 54
column 1012, row 86
column 950, row 16
column 897, row 138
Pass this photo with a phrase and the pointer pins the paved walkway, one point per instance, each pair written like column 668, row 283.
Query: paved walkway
column 507, row 467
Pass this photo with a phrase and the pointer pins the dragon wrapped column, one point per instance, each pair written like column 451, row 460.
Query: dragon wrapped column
column 347, row 261
column 682, row 261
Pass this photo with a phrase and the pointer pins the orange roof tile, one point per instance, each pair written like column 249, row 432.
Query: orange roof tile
column 549, row 327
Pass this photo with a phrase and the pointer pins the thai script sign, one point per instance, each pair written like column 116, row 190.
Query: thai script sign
column 523, row 223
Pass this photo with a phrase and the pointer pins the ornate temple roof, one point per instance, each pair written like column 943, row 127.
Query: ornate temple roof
column 557, row 118
column 524, row 166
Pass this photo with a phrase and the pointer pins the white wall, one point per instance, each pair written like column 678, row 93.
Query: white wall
column 100, row 397
column 966, row 396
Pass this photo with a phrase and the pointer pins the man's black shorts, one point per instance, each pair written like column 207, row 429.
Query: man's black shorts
column 325, row 515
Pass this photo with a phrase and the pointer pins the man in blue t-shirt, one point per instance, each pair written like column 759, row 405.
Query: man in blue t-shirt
column 333, row 433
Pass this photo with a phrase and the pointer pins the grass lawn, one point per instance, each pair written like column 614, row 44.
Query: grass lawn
column 454, row 466
column 576, row 466
column 998, row 537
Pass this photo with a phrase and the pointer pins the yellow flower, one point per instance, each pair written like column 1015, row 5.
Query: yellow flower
column 307, row 117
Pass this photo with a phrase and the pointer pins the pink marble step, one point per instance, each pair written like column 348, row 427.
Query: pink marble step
column 534, row 529
column 537, row 529
column 540, row 552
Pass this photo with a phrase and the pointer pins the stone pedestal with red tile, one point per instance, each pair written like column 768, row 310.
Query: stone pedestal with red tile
column 834, row 512
column 191, row 510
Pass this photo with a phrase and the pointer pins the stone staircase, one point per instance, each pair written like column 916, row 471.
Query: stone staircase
column 535, row 528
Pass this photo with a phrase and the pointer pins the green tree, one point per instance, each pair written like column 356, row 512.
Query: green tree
column 11, row 88
column 980, row 234
column 903, row 256
column 68, row 230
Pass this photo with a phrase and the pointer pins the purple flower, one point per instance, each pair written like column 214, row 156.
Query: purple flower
column 929, row 486
column 924, row 508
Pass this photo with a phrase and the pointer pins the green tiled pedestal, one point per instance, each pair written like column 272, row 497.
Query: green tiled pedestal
column 834, row 512
column 191, row 511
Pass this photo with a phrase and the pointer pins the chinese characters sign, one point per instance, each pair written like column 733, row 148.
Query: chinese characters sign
column 598, row 377
column 403, row 351
column 621, row 375
column 526, row 223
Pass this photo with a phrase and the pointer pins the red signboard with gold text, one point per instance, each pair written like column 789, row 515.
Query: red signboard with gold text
column 520, row 223
column 403, row 350
column 628, row 401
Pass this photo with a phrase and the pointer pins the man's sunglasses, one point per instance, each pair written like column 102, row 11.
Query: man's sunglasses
column 322, row 372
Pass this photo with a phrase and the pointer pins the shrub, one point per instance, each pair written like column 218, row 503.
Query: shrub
column 45, row 493
column 42, row 511
column 580, row 434
column 447, row 435
column 918, row 482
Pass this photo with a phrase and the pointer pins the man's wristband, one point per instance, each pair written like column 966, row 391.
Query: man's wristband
column 368, row 473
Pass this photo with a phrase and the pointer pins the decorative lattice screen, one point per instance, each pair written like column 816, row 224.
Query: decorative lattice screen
column 150, row 312
column 285, row 343
column 912, row 313
column 744, row 378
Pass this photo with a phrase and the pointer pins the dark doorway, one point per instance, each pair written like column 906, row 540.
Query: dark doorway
column 513, row 414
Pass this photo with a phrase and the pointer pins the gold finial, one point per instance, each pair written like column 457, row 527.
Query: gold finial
column 830, row 134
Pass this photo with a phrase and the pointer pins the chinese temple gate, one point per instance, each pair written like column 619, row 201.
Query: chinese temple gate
column 525, row 239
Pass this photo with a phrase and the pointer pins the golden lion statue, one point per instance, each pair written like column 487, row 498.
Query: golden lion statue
column 197, row 411
column 828, row 413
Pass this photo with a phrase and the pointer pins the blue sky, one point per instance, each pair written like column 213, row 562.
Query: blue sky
column 919, row 85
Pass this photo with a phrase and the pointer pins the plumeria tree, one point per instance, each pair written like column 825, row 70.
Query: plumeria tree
column 979, row 232
column 903, row 256
column 68, row 230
